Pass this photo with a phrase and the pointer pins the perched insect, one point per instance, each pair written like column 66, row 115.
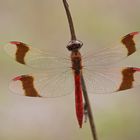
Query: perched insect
column 63, row 75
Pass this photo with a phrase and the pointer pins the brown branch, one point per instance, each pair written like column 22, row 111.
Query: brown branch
column 89, row 110
column 85, row 94
column 73, row 36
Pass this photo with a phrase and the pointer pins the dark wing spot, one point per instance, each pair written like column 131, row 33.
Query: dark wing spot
column 28, row 86
column 129, row 42
column 22, row 49
column 128, row 78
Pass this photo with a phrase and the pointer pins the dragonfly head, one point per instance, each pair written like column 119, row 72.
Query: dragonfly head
column 74, row 45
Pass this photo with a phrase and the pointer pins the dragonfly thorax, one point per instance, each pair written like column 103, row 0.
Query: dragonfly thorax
column 74, row 45
column 76, row 61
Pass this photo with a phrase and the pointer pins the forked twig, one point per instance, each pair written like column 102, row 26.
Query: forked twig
column 85, row 94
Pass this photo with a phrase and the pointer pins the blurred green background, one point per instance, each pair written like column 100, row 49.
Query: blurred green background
column 43, row 24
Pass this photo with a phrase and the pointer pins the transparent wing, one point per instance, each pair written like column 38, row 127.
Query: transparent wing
column 51, row 84
column 111, row 80
column 57, row 80
column 26, row 55
column 111, row 55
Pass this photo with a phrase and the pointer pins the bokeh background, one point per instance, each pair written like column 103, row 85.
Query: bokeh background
column 43, row 24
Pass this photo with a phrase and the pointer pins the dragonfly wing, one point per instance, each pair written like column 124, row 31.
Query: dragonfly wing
column 111, row 79
column 111, row 55
column 44, row 84
column 26, row 55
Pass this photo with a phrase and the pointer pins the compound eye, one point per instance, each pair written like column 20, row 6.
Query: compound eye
column 80, row 43
column 74, row 44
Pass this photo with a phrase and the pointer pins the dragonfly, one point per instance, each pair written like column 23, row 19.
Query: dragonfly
column 61, row 76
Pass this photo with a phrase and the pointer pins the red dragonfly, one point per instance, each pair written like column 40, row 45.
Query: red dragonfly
column 63, row 75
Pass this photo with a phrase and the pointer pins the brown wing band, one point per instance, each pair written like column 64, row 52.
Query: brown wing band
column 129, row 43
column 28, row 86
column 128, row 78
column 22, row 49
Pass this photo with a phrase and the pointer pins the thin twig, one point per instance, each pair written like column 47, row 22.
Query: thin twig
column 73, row 36
column 87, row 102
column 85, row 94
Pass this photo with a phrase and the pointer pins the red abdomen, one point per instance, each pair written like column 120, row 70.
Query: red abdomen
column 78, row 99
